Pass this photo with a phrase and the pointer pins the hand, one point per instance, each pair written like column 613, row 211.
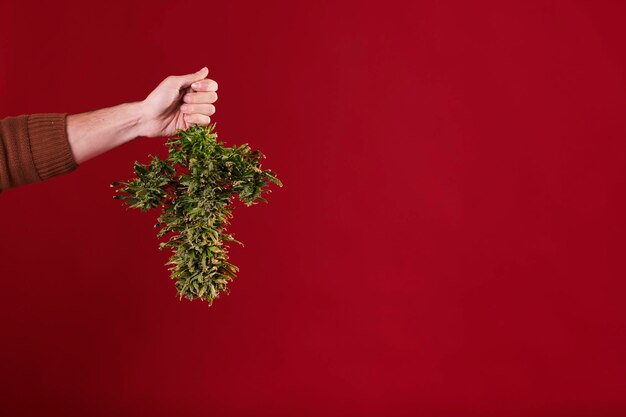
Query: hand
column 178, row 103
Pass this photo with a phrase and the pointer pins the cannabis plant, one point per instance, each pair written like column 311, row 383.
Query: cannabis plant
column 194, row 189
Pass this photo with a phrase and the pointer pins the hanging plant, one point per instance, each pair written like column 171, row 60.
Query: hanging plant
column 194, row 188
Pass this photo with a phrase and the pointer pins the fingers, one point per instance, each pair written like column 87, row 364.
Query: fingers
column 200, row 93
column 198, row 113
column 204, row 108
column 195, row 98
column 204, row 85
column 199, row 119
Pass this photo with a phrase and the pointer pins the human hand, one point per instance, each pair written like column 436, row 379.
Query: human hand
column 178, row 102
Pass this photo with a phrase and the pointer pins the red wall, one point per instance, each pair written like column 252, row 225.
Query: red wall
column 450, row 239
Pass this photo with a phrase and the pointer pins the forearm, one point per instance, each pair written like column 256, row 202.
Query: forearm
column 95, row 132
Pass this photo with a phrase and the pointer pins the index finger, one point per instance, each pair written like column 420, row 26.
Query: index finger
column 205, row 85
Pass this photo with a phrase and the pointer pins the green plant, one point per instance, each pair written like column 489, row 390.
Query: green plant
column 194, row 187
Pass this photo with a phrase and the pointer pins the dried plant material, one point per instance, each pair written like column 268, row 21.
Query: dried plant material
column 194, row 188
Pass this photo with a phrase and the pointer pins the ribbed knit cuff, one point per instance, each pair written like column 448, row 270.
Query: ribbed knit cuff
column 49, row 145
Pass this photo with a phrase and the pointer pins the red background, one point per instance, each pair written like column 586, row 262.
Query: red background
column 449, row 241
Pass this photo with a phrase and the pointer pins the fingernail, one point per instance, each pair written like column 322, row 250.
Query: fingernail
column 195, row 85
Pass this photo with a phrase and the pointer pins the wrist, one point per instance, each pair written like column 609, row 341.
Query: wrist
column 135, row 123
column 147, row 124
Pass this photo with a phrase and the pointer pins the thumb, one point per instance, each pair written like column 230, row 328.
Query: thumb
column 184, row 81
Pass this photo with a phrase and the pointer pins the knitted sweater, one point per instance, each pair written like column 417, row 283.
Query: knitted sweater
column 34, row 148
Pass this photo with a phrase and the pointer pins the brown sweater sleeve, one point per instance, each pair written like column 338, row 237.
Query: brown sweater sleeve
column 34, row 148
